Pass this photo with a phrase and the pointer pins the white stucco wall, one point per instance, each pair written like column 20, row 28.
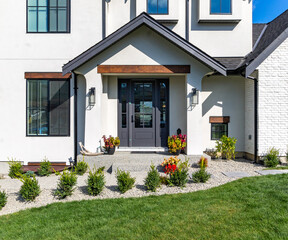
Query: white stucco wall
column 249, row 116
column 224, row 96
column 273, row 101
column 222, row 39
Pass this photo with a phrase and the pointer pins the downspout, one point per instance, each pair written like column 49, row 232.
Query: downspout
column 187, row 21
column 103, row 19
column 255, row 117
column 74, row 76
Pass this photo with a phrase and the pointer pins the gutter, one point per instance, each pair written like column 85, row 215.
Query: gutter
column 74, row 76
column 103, row 19
column 187, row 21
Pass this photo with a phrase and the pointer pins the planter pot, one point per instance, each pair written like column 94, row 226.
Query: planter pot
column 111, row 151
column 177, row 153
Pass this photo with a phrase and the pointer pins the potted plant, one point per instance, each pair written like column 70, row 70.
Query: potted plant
column 176, row 144
column 110, row 143
column 183, row 139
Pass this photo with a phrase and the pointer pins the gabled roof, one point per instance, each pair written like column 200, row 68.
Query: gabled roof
column 272, row 35
column 144, row 19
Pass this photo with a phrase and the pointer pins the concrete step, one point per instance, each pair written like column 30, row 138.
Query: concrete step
column 130, row 167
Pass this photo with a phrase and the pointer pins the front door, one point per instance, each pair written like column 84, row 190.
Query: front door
column 143, row 113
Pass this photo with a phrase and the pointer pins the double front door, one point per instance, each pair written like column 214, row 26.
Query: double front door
column 143, row 113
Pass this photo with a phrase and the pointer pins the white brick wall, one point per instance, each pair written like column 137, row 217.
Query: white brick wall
column 273, row 101
column 249, row 116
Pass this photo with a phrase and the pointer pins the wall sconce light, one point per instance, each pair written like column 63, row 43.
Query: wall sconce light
column 92, row 98
column 194, row 96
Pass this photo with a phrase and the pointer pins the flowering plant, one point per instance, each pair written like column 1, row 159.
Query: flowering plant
column 203, row 162
column 111, row 142
column 176, row 143
column 170, row 164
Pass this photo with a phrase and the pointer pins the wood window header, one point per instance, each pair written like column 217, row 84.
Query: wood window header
column 219, row 119
column 154, row 69
column 46, row 75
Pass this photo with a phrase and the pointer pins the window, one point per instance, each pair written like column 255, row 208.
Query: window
column 48, row 16
column 221, row 7
column 157, row 6
column 218, row 130
column 48, row 108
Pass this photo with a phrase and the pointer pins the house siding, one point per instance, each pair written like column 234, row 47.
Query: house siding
column 273, row 101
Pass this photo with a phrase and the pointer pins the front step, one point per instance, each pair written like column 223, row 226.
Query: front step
column 142, row 149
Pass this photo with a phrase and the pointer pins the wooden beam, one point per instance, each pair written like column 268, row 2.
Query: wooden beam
column 46, row 75
column 219, row 119
column 152, row 69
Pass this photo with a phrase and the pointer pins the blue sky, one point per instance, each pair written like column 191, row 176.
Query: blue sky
column 266, row 10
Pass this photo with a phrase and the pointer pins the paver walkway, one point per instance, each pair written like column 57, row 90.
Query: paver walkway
column 271, row 172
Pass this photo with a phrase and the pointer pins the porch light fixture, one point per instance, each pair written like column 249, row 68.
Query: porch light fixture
column 194, row 96
column 92, row 98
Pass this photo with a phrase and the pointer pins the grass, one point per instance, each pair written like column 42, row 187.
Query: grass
column 250, row 208
column 277, row 168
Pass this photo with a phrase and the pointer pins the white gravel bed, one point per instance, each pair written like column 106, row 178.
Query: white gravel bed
column 48, row 185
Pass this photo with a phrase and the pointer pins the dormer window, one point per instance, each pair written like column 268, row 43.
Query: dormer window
column 157, row 6
column 220, row 7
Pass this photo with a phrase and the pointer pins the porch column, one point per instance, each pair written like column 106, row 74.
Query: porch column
column 194, row 114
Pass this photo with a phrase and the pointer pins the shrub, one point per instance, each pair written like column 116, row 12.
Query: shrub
column 271, row 159
column 3, row 199
column 179, row 177
column 96, row 181
column 29, row 174
column 124, row 181
column 203, row 162
column 226, row 145
column 30, row 188
column 15, row 168
column 45, row 168
column 164, row 180
column 81, row 168
column 66, row 184
column 152, row 180
column 201, row 176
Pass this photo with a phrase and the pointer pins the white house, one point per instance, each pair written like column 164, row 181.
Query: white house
column 153, row 67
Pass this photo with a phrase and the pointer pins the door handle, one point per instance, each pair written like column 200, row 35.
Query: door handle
column 132, row 118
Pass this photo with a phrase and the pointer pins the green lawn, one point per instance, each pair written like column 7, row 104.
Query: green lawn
column 250, row 208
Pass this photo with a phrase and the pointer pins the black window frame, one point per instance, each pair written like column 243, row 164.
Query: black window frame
column 48, row 107
column 220, row 13
column 147, row 4
column 68, row 18
column 217, row 131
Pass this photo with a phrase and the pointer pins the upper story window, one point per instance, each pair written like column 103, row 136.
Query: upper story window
column 221, row 7
column 157, row 6
column 48, row 16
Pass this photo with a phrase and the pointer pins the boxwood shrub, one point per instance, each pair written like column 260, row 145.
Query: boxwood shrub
column 96, row 181
column 66, row 184
column 124, row 181
column 30, row 188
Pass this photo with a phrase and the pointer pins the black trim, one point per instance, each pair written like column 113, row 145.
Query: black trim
column 68, row 18
column 256, row 119
column 144, row 19
column 103, row 19
column 69, row 107
column 74, row 77
column 187, row 21
column 157, row 9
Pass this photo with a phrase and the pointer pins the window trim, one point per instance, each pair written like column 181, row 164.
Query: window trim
column 48, row 32
column 231, row 8
column 157, row 9
column 69, row 107
column 216, row 139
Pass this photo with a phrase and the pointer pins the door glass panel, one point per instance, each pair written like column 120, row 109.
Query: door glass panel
column 123, row 101
column 143, row 105
column 163, row 104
